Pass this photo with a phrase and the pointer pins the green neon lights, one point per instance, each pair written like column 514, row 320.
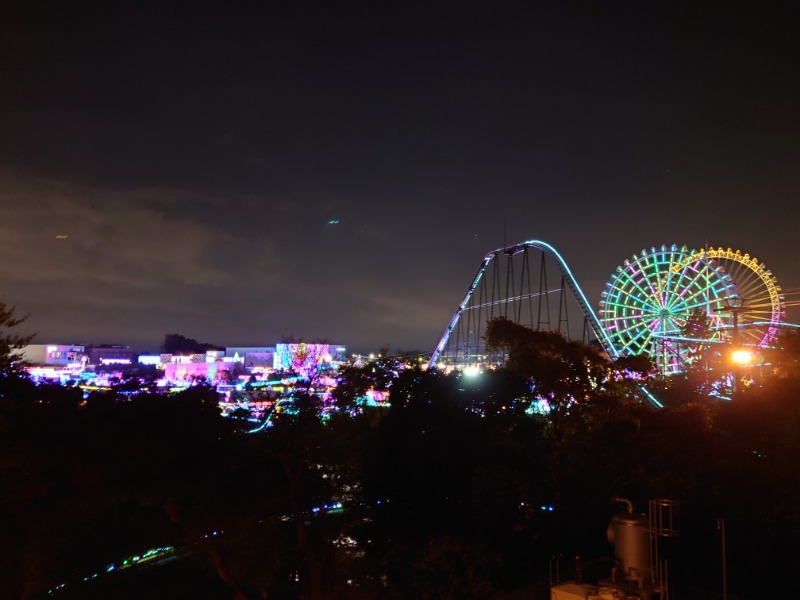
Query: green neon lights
column 651, row 296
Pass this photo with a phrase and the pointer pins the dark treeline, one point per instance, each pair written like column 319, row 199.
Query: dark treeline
column 175, row 343
column 455, row 490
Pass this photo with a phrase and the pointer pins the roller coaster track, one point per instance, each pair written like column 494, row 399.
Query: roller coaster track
column 514, row 300
column 567, row 277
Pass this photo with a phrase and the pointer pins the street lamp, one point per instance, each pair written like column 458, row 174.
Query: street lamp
column 742, row 357
column 735, row 306
column 739, row 356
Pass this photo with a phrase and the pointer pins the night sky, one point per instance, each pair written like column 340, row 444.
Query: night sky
column 195, row 154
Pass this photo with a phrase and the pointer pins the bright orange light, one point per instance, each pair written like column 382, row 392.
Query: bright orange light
column 742, row 357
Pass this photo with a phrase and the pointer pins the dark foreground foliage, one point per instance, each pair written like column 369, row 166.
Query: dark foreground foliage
column 455, row 491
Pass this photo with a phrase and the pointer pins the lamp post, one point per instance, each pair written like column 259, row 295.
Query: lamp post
column 721, row 528
column 735, row 306
column 739, row 356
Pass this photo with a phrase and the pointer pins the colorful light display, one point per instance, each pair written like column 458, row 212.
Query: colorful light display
column 650, row 298
column 757, row 291
column 305, row 359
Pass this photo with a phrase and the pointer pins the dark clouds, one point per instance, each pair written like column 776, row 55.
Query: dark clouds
column 196, row 152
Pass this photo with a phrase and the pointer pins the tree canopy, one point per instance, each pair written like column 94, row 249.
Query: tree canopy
column 175, row 343
column 453, row 491
column 10, row 341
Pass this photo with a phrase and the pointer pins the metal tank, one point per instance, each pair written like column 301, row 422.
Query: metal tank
column 629, row 533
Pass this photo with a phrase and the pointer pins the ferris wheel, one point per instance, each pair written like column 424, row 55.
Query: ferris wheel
column 650, row 299
column 758, row 301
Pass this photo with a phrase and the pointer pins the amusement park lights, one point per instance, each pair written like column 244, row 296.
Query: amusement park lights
column 742, row 356
column 652, row 296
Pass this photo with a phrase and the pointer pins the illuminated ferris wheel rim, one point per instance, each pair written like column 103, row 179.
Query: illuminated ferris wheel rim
column 758, row 269
column 651, row 297
column 639, row 305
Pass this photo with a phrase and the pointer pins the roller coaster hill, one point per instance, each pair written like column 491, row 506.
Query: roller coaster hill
column 673, row 304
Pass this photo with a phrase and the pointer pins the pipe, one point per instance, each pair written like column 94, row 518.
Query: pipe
column 628, row 504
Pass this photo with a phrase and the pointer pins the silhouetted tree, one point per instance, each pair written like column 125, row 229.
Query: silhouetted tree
column 174, row 343
column 11, row 367
column 322, row 490
column 784, row 357
column 10, row 342
column 353, row 382
column 559, row 371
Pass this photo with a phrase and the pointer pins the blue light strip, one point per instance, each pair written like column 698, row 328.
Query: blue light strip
column 597, row 328
column 651, row 397
column 446, row 336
